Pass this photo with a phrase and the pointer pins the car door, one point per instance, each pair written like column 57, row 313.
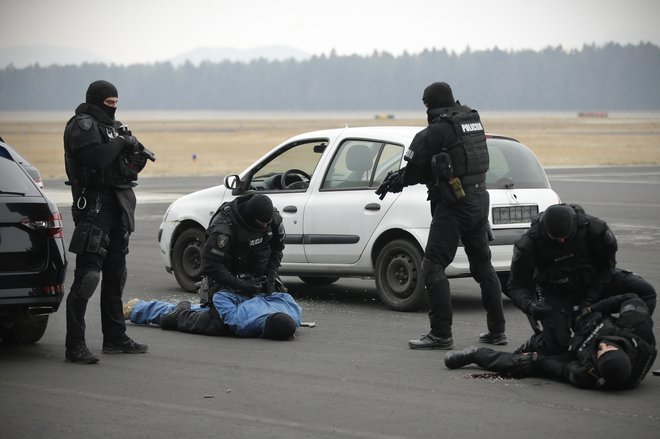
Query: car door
column 285, row 176
column 341, row 217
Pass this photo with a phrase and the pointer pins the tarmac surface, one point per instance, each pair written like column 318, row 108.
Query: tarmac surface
column 351, row 376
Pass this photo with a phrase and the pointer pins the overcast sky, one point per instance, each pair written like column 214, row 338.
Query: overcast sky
column 132, row 31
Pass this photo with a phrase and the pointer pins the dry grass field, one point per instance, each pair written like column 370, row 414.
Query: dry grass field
column 223, row 145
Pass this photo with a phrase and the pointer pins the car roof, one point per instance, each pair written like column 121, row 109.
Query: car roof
column 403, row 133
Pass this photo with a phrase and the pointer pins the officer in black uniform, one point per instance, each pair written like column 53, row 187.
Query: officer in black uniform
column 605, row 352
column 242, row 253
column 450, row 156
column 102, row 162
column 566, row 261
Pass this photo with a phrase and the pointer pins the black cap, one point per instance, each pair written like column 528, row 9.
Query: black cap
column 559, row 221
column 99, row 91
column 614, row 366
column 279, row 326
column 259, row 208
column 438, row 95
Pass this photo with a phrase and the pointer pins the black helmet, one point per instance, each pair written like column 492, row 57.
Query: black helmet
column 559, row 221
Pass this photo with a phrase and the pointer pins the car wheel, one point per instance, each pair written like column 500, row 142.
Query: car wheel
column 187, row 258
column 26, row 330
column 399, row 276
column 319, row 280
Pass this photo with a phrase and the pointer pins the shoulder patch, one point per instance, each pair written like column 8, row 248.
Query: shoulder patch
column 85, row 123
column 222, row 240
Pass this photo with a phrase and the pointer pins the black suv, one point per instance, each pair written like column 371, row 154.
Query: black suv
column 32, row 254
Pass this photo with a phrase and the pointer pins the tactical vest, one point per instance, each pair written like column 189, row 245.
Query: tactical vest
column 563, row 268
column 116, row 174
column 250, row 246
column 469, row 155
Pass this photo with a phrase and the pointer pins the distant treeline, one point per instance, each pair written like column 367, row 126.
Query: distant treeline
column 608, row 78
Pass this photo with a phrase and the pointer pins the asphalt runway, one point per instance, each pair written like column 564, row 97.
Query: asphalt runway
column 351, row 376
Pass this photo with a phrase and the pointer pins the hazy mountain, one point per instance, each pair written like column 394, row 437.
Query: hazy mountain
column 23, row 56
column 218, row 54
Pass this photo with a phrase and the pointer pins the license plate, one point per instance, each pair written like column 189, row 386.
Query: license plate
column 514, row 214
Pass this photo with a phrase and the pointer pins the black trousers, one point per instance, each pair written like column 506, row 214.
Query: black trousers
column 110, row 266
column 520, row 365
column 205, row 322
column 467, row 220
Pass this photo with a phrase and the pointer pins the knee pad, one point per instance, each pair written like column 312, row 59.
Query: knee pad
column 88, row 284
column 433, row 273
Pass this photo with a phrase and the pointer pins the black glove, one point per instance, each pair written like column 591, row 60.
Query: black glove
column 391, row 183
column 131, row 141
column 537, row 309
column 248, row 287
column 268, row 286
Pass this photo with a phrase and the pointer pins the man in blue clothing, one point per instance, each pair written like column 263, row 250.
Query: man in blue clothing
column 240, row 258
column 275, row 316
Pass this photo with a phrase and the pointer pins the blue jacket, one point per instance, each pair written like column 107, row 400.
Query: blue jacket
column 245, row 317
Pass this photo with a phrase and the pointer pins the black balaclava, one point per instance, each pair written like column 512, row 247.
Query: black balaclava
column 559, row 221
column 279, row 326
column 614, row 366
column 99, row 91
column 438, row 95
column 259, row 208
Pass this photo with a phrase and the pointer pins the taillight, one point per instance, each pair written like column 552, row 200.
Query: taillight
column 53, row 289
column 53, row 224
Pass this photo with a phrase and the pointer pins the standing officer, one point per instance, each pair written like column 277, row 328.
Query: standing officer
column 450, row 156
column 566, row 260
column 102, row 162
column 241, row 255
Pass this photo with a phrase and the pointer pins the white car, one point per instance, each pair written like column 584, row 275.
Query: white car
column 323, row 185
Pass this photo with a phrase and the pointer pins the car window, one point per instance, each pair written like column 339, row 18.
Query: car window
column 362, row 164
column 513, row 165
column 298, row 161
column 14, row 180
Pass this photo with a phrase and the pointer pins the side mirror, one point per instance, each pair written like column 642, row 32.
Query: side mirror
column 232, row 181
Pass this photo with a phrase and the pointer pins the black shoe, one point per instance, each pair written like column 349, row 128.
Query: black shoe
column 498, row 338
column 125, row 347
column 456, row 359
column 430, row 341
column 168, row 321
column 80, row 354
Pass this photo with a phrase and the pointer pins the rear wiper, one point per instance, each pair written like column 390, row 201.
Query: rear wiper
column 12, row 193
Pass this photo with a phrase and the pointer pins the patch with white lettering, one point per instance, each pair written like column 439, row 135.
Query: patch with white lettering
column 222, row 240
column 472, row 127
column 409, row 154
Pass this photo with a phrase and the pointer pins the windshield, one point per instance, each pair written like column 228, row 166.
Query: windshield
column 513, row 166
column 13, row 179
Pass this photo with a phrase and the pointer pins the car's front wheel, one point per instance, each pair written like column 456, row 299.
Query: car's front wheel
column 187, row 258
column 25, row 330
column 399, row 276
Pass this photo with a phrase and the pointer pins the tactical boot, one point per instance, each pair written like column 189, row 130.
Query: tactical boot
column 128, row 308
column 124, row 347
column 80, row 354
column 456, row 359
column 168, row 321
column 430, row 341
column 493, row 338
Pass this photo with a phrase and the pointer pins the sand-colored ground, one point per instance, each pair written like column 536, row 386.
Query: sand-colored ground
column 225, row 145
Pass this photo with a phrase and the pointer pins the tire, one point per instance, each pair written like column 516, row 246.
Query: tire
column 187, row 258
column 26, row 330
column 399, row 276
column 319, row 280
